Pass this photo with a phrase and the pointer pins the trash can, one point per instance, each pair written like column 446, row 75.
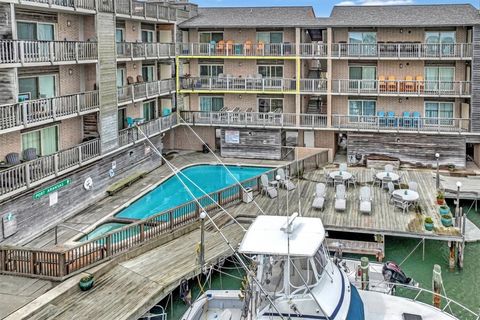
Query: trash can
column 247, row 195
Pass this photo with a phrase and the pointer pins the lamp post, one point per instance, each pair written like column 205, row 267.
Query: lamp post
column 203, row 215
column 437, row 157
column 277, row 178
column 457, row 208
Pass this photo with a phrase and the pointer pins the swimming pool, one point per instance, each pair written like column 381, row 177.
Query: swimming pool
column 172, row 193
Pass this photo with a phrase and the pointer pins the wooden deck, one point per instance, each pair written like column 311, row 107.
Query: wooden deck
column 384, row 220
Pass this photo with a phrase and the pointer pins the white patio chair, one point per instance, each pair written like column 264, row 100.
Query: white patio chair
column 412, row 185
column 267, row 188
column 343, row 167
column 388, row 168
column 391, row 189
column 285, row 181
column 375, row 180
column 328, row 179
column 365, row 200
column 352, row 181
column 398, row 202
column 319, row 200
column 385, row 181
column 340, row 198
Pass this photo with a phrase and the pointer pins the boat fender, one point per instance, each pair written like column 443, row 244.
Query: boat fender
column 185, row 293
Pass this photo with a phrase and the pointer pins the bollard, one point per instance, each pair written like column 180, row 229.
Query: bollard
column 437, row 285
column 451, row 260
column 364, row 265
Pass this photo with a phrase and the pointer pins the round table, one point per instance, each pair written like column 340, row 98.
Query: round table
column 393, row 176
column 411, row 195
column 345, row 175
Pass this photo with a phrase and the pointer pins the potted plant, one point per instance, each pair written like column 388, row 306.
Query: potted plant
column 444, row 209
column 446, row 220
column 428, row 224
column 440, row 197
column 86, row 283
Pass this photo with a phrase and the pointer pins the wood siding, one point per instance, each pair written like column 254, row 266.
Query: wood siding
column 255, row 144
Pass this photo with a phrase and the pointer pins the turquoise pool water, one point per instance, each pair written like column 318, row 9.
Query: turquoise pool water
column 172, row 193
column 102, row 229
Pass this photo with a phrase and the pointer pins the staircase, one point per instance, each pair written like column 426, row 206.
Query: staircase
column 90, row 126
column 316, row 106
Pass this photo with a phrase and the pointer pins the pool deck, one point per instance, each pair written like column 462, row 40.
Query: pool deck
column 102, row 210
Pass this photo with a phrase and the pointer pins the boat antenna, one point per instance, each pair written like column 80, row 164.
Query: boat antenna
column 219, row 161
column 235, row 252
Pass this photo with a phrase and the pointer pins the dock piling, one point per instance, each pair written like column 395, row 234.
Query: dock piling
column 437, row 286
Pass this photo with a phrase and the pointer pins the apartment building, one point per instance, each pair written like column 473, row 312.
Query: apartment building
column 385, row 80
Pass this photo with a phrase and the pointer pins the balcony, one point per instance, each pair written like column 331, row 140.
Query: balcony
column 145, row 10
column 30, row 52
column 87, row 6
column 233, row 84
column 149, row 128
column 313, row 50
column 406, row 88
column 36, row 112
column 131, row 51
column 403, row 51
column 236, row 50
column 146, row 90
column 313, row 86
column 235, row 117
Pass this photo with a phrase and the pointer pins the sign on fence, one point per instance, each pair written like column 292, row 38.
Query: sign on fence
column 51, row 189
column 9, row 222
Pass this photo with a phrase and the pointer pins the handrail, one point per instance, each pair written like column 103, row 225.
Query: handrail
column 77, row 4
column 245, row 49
column 144, row 90
column 144, row 50
column 237, row 83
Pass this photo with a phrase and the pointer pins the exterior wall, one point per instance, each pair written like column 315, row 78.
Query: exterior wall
column 183, row 139
column 130, row 34
column 10, row 142
column 74, row 197
column 242, row 35
column 243, row 68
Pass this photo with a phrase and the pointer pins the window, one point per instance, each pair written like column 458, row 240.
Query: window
column 362, row 43
column 35, row 31
column 148, row 73
column 439, row 79
column 270, row 37
column 119, row 35
column 122, row 118
column 439, row 113
column 210, row 70
column 440, row 43
column 367, row 75
column 147, row 36
column 271, row 71
column 270, row 105
column 39, row 87
column 361, row 110
column 208, row 103
column 45, row 140
column 149, row 110
column 207, row 37
column 120, row 77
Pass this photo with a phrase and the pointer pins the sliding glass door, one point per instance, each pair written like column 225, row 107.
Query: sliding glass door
column 362, row 77
column 362, row 43
column 439, row 79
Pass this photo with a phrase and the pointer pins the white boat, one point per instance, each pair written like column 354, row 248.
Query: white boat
column 292, row 276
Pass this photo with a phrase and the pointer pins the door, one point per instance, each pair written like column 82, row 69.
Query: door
column 309, row 139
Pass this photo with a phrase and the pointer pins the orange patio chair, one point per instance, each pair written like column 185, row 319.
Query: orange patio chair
column 248, row 48
column 382, row 85
column 420, row 83
column 230, row 46
column 221, row 47
column 409, row 85
column 392, row 84
column 260, row 48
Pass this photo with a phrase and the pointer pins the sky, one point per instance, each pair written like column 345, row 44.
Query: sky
column 322, row 7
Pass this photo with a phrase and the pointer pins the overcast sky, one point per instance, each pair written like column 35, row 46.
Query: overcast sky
column 322, row 7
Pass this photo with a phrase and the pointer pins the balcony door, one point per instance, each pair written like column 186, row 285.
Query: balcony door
column 272, row 75
column 272, row 41
column 36, row 32
column 439, row 79
column 362, row 110
column 149, row 110
column 440, row 43
column 211, row 104
column 44, row 141
column 362, row 43
column 363, row 78
column 39, row 87
column 120, row 39
column 439, row 113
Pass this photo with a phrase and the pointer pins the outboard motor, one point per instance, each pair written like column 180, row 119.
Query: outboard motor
column 394, row 274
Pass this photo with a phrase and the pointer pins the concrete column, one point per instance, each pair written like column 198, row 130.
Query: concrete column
column 329, row 76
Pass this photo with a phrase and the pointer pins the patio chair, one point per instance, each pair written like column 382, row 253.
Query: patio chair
column 409, row 85
column 391, row 120
column 328, row 179
column 130, row 122
column 391, row 189
column 382, row 121
column 365, row 200
column 382, row 85
column 340, row 198
column 342, row 167
column 30, row 154
column 337, row 180
column 385, row 181
column 352, row 180
column 285, row 181
column 229, row 45
column 260, row 48
column 248, row 48
column 375, row 180
column 392, row 84
column 420, row 83
column 221, row 47
column 416, row 119
column 412, row 185
column 388, row 168
column 319, row 200
column 267, row 188
column 398, row 202
column 130, row 80
column 12, row 159
column 406, row 119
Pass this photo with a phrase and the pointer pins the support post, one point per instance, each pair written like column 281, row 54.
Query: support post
column 451, row 260
column 364, row 266
column 203, row 215
column 437, row 286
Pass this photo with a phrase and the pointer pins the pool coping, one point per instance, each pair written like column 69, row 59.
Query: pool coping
column 73, row 241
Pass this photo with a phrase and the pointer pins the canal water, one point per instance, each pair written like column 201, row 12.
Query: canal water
column 462, row 286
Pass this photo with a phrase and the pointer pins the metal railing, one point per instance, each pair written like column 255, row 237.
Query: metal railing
column 149, row 128
column 403, row 50
column 60, row 264
column 39, row 111
column 74, row 4
column 236, row 49
column 144, row 50
column 145, row 90
column 402, row 87
column 313, row 49
column 238, row 84
column 146, row 10
column 313, row 85
column 33, row 51
column 33, row 172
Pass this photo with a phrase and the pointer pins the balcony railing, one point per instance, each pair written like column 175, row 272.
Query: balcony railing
column 144, row 50
column 280, row 85
column 313, row 85
column 146, row 10
column 403, row 50
column 32, row 51
column 319, row 121
column 73, row 4
column 34, row 172
column 145, row 90
column 27, row 113
column 313, row 49
column 149, row 128
column 237, row 49
column 402, row 87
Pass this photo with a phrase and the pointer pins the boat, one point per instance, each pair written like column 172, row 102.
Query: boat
column 291, row 275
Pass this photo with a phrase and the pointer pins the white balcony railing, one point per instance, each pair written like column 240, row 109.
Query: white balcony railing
column 31, row 51
column 144, row 50
column 228, row 83
column 313, row 85
column 27, row 113
column 313, row 49
column 146, row 10
column 402, row 87
column 149, row 128
column 403, row 50
column 145, row 90
column 73, row 4
column 236, row 49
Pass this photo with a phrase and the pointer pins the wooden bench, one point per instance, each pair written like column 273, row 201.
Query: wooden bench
column 125, row 182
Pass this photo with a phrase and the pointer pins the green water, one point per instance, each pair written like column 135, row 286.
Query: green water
column 462, row 286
